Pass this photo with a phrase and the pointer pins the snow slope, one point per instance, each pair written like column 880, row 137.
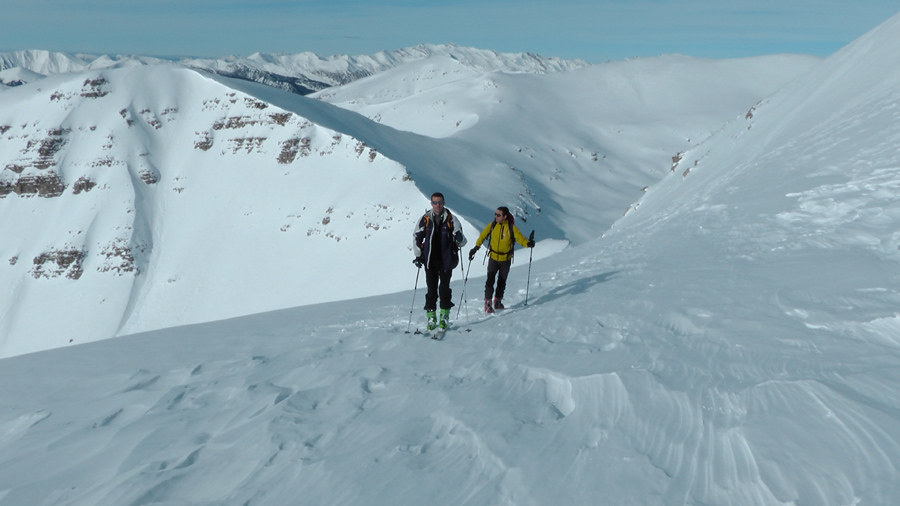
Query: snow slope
column 144, row 197
column 578, row 145
column 149, row 197
column 732, row 341
column 17, row 76
column 766, row 269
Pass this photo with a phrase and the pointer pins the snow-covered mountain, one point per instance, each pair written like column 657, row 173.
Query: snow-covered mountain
column 154, row 196
column 151, row 196
column 43, row 63
column 572, row 148
column 300, row 73
column 313, row 72
column 732, row 340
column 17, row 76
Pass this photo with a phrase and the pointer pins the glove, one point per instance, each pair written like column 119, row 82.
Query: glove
column 530, row 244
column 458, row 237
column 418, row 262
column 472, row 252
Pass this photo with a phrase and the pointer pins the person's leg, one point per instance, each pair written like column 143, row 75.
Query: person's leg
column 446, row 294
column 503, row 273
column 492, row 268
column 431, row 295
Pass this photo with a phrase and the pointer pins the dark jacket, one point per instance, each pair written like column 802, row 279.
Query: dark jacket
column 451, row 239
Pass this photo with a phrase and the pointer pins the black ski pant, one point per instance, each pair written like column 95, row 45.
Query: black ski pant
column 438, row 282
column 493, row 269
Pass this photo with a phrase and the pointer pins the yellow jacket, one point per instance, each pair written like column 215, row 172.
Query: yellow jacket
column 501, row 241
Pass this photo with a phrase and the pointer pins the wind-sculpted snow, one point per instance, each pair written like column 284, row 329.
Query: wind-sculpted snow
column 607, row 386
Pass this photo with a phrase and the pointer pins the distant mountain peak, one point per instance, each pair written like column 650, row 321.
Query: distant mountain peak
column 300, row 73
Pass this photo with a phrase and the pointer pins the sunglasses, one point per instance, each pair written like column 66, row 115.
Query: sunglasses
column 498, row 215
column 437, row 202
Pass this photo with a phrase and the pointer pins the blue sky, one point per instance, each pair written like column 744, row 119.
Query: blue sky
column 593, row 30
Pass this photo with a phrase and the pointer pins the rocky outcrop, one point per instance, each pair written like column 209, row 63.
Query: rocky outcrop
column 58, row 263
column 41, row 185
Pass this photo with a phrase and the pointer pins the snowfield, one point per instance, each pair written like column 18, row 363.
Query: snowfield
column 181, row 203
column 731, row 340
column 152, row 196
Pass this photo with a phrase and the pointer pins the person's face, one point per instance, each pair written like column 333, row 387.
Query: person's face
column 437, row 204
column 498, row 216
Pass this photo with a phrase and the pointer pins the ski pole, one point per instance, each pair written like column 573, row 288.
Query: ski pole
column 468, row 270
column 414, row 298
column 530, row 255
column 463, row 296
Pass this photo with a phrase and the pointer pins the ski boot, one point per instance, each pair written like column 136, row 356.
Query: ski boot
column 488, row 307
column 432, row 320
column 498, row 305
column 445, row 319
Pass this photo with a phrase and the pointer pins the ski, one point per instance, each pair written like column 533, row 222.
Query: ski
column 435, row 334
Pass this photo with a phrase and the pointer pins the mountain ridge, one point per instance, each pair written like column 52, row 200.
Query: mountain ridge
column 300, row 73
column 165, row 196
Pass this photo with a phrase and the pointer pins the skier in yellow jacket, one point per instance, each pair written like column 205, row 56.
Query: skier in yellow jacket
column 502, row 231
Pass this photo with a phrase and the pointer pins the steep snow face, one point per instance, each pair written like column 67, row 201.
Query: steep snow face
column 831, row 133
column 568, row 151
column 764, row 280
column 148, row 197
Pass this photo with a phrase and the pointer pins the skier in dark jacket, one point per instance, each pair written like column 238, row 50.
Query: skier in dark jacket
column 437, row 240
column 499, row 235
